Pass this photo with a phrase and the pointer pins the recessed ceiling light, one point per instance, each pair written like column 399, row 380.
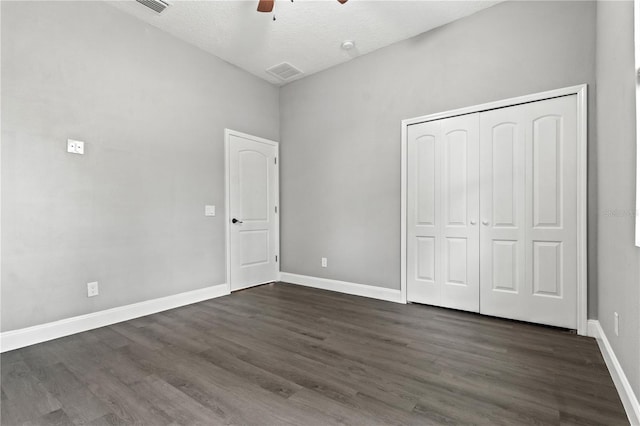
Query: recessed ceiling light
column 348, row 44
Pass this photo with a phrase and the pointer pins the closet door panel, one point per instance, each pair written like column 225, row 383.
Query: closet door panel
column 551, row 213
column 442, row 213
column 423, row 215
column 460, row 195
column 528, row 208
column 502, row 211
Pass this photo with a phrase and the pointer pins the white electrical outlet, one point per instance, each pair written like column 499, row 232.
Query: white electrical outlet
column 92, row 289
column 75, row 147
column 209, row 210
column 616, row 323
column 324, row 262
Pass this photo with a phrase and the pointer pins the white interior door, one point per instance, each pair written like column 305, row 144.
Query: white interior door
column 253, row 216
column 528, row 172
column 442, row 213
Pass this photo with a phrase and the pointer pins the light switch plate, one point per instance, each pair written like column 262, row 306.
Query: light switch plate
column 209, row 210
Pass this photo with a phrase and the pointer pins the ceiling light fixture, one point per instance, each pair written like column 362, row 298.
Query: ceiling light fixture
column 348, row 44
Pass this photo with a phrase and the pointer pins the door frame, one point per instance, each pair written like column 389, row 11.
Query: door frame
column 581, row 92
column 227, row 198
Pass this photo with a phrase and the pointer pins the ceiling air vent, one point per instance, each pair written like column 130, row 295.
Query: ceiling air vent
column 156, row 5
column 284, row 71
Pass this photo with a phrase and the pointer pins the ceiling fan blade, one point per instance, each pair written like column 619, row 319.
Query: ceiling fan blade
column 343, row 1
column 265, row 5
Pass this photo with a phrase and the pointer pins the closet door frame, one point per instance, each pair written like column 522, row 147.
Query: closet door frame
column 581, row 93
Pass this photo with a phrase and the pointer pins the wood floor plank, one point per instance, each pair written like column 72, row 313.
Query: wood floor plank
column 284, row 354
column 109, row 419
column 82, row 406
column 26, row 396
column 57, row 418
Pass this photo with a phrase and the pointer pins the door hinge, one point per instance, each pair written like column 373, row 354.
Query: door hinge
column 276, row 257
column 275, row 160
column 276, row 209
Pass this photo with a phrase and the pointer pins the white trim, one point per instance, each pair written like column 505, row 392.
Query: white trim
column 227, row 215
column 403, row 214
column 227, row 197
column 627, row 396
column 572, row 90
column 581, row 211
column 581, row 92
column 15, row 339
column 0, row 170
column 364, row 290
column 636, row 24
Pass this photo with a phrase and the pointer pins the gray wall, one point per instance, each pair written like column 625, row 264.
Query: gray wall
column 618, row 258
column 340, row 129
column 130, row 212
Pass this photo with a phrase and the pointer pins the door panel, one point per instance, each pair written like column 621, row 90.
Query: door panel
column 423, row 216
column 255, row 247
column 253, row 181
column 456, row 260
column 551, row 211
column 455, row 178
column 426, row 175
column 528, row 207
column 442, row 213
column 252, row 202
column 505, row 266
column 426, row 259
column 460, row 230
column 502, row 212
column 504, row 162
column 547, row 268
column 547, row 171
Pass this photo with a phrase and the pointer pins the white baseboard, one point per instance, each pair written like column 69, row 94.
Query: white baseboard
column 628, row 397
column 15, row 339
column 373, row 292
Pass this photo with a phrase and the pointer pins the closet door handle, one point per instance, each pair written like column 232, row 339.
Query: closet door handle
column 485, row 222
column 473, row 222
column 234, row 220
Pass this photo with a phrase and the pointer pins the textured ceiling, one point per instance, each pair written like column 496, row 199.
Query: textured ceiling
column 306, row 33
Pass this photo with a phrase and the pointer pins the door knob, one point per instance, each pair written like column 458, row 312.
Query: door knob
column 473, row 222
column 485, row 222
column 234, row 220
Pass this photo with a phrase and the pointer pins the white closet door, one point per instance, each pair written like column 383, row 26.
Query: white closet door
column 528, row 211
column 442, row 213
column 424, row 146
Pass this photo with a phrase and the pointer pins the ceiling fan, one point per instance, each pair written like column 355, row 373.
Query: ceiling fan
column 267, row 5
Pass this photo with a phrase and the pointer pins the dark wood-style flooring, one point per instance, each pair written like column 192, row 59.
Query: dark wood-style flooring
column 283, row 354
